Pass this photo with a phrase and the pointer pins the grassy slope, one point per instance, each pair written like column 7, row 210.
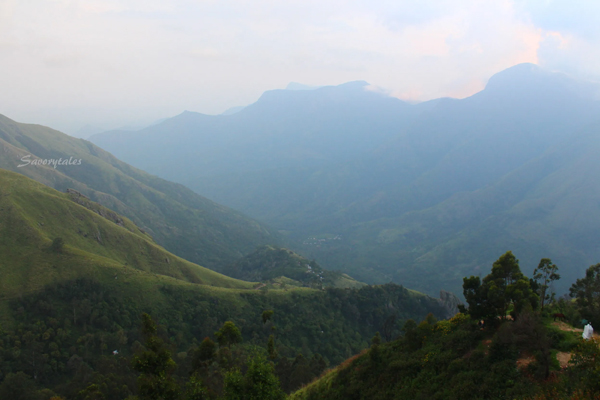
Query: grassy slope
column 185, row 223
column 32, row 215
column 138, row 272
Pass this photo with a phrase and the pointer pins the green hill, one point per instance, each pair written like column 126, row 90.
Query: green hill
column 97, row 243
column 268, row 263
column 455, row 359
column 77, row 276
column 185, row 223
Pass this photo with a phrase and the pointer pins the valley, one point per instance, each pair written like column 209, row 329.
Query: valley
column 420, row 195
column 347, row 213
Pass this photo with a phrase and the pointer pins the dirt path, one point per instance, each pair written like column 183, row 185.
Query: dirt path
column 563, row 358
column 525, row 361
column 564, row 327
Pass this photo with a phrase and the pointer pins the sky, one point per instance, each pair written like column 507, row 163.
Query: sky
column 89, row 65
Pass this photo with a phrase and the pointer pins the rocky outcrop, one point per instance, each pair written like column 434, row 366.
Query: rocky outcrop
column 104, row 212
column 450, row 302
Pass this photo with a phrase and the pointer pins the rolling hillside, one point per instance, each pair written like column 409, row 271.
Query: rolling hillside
column 101, row 246
column 185, row 223
column 97, row 243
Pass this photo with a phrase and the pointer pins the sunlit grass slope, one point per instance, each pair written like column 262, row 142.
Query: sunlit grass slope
column 180, row 220
column 104, row 247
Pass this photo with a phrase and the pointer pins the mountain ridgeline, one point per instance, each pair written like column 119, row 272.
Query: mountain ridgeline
column 416, row 194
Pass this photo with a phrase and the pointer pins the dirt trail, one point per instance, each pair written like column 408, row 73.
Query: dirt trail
column 564, row 357
column 564, row 327
column 525, row 361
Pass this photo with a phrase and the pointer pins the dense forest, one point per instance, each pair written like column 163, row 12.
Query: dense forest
column 504, row 346
column 77, row 340
column 80, row 333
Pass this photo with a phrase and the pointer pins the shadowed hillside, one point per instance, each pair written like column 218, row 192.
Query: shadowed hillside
column 185, row 223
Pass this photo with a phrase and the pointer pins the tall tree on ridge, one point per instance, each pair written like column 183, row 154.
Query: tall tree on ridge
column 543, row 276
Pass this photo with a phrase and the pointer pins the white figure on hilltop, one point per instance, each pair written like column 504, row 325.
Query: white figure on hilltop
column 588, row 332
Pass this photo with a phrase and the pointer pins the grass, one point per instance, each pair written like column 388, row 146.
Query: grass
column 183, row 222
column 32, row 215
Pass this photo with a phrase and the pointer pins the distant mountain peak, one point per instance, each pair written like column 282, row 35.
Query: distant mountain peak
column 354, row 84
column 516, row 75
column 530, row 78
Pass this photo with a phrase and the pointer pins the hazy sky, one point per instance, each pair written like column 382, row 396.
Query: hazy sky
column 68, row 63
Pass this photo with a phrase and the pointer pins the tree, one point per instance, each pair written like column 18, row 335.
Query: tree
column 301, row 372
column 376, row 340
column 196, row 390
column 587, row 294
column 389, row 327
column 476, row 297
column 57, row 245
column 155, row 366
column 585, row 368
column 411, row 334
column 271, row 348
column 17, row 386
column 531, row 335
column 228, row 334
column 259, row 383
column 92, row 392
column 544, row 275
column 266, row 316
column 204, row 353
column 503, row 287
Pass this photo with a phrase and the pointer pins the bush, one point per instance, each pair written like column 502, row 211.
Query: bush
column 57, row 245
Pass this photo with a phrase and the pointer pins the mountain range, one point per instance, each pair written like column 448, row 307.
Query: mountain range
column 390, row 191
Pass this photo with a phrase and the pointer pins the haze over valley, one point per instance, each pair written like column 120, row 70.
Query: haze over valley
column 420, row 195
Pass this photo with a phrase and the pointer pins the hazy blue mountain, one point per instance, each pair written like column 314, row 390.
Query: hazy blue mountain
column 284, row 128
column 419, row 194
column 232, row 110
